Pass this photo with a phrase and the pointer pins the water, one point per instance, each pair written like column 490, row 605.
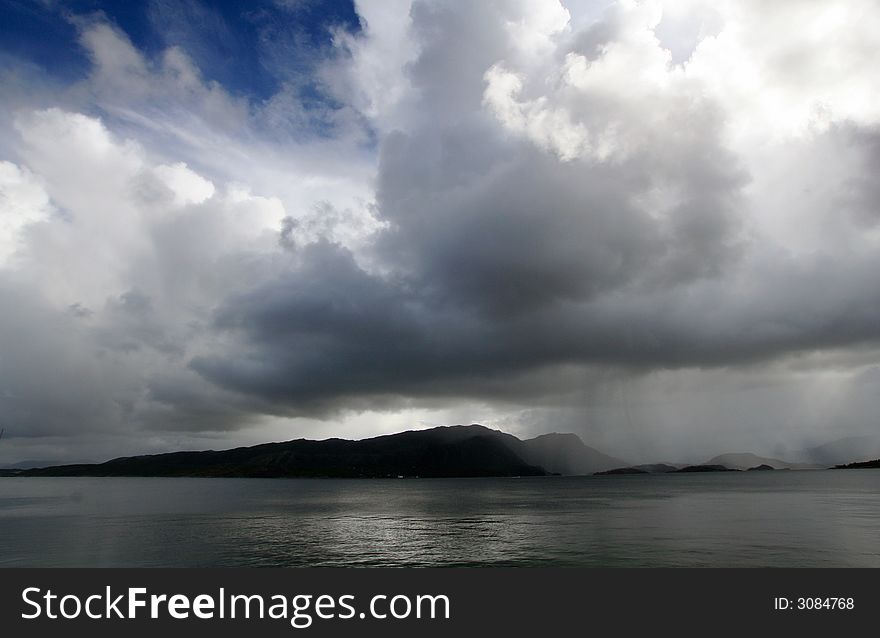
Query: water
column 819, row 518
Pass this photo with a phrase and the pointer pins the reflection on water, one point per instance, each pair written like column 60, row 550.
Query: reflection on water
column 819, row 518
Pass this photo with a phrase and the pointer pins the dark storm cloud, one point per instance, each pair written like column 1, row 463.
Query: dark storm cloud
column 310, row 347
column 505, row 259
column 522, row 263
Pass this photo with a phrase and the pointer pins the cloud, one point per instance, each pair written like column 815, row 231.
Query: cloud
column 23, row 201
column 513, row 206
column 617, row 227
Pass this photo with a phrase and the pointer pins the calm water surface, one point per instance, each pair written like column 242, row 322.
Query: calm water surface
column 818, row 518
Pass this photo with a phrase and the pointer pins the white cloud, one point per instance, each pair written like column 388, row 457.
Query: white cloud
column 188, row 187
column 374, row 80
column 551, row 128
column 788, row 68
column 775, row 71
column 23, row 201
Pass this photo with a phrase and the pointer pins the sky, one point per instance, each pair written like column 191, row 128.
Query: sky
column 652, row 223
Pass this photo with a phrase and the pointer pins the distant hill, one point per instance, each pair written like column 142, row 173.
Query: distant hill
column 657, row 468
column 456, row 451
column 865, row 465
column 706, row 468
column 622, row 470
column 747, row 460
column 846, row 450
column 648, row 468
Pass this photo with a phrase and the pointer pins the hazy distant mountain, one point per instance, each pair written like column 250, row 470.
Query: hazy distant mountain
column 456, row 451
column 747, row 460
column 26, row 465
column 846, row 450
column 566, row 454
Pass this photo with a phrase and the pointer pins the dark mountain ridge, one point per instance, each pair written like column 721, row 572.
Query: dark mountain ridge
column 455, row 451
column 863, row 465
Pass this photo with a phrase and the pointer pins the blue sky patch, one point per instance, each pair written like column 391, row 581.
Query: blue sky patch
column 252, row 48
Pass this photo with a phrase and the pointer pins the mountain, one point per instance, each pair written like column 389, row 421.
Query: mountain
column 566, row 454
column 747, row 460
column 865, row 465
column 846, row 450
column 455, row 451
